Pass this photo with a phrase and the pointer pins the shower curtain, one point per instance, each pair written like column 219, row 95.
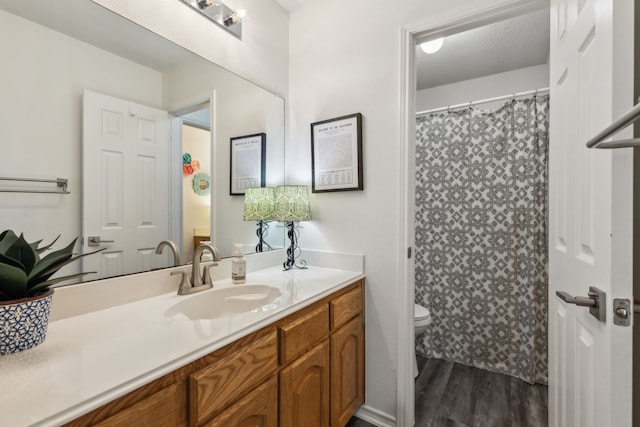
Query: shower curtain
column 481, row 239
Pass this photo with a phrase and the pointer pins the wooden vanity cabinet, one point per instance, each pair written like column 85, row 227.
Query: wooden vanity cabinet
column 304, row 370
column 324, row 386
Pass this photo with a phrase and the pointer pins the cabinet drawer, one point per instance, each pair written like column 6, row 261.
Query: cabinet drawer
column 258, row 408
column 303, row 333
column 345, row 307
column 159, row 409
column 213, row 388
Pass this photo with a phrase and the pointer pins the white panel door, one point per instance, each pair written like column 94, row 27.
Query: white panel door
column 590, row 214
column 125, row 175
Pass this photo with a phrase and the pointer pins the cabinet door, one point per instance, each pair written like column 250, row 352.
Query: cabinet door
column 304, row 390
column 257, row 409
column 347, row 371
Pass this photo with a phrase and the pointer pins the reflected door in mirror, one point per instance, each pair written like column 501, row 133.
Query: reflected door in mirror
column 125, row 193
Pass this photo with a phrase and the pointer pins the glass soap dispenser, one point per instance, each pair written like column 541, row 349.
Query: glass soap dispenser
column 238, row 265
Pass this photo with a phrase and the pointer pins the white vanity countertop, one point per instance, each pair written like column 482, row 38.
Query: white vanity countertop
column 88, row 360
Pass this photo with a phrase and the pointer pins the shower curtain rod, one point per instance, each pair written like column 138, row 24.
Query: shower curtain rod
column 484, row 101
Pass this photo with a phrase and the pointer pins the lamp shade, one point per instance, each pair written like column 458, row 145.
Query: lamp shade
column 259, row 203
column 292, row 203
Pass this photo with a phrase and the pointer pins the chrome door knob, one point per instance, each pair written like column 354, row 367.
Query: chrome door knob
column 596, row 301
column 96, row 241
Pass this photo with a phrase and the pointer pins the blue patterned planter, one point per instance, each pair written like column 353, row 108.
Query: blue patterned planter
column 24, row 322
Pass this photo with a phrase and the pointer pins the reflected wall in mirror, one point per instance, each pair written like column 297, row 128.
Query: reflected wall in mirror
column 53, row 53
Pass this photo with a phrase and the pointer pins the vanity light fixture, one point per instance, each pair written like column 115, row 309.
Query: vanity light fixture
column 292, row 206
column 432, row 46
column 259, row 205
column 221, row 14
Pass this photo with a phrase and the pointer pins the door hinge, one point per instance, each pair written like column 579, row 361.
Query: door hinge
column 409, row 252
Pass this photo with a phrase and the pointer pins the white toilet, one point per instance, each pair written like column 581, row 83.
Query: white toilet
column 421, row 320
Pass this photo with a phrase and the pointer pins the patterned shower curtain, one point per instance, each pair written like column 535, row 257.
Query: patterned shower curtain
column 481, row 238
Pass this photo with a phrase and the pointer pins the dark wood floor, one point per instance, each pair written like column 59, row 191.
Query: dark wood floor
column 452, row 395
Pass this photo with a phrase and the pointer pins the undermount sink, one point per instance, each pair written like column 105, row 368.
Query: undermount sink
column 217, row 303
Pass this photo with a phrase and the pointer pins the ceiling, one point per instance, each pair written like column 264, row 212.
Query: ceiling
column 291, row 5
column 507, row 45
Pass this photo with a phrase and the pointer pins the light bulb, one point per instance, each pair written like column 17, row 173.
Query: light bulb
column 203, row 4
column 432, row 46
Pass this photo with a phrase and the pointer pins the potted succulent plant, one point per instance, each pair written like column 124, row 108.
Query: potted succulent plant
column 25, row 289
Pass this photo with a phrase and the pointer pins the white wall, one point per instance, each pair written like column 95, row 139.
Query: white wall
column 41, row 82
column 506, row 83
column 261, row 56
column 345, row 58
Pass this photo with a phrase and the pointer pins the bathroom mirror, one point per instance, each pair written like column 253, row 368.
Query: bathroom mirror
column 54, row 53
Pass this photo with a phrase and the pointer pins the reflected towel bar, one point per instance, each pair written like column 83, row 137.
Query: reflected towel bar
column 61, row 183
column 615, row 127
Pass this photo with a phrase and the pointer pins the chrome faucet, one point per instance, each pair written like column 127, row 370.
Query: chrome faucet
column 196, row 278
column 198, row 282
column 174, row 250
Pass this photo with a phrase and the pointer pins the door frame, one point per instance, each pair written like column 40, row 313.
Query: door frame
column 176, row 112
column 454, row 21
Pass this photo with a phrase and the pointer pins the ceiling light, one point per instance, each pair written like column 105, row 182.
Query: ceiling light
column 231, row 19
column 432, row 46
column 220, row 14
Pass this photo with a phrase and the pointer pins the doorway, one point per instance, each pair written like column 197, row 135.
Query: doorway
column 616, row 176
column 192, row 165
column 431, row 27
column 481, row 268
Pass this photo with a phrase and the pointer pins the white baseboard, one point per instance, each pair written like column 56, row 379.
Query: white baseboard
column 374, row 416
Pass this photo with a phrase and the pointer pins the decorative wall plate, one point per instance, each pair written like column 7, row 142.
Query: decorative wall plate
column 202, row 184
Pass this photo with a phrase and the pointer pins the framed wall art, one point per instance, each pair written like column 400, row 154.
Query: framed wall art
column 248, row 157
column 336, row 154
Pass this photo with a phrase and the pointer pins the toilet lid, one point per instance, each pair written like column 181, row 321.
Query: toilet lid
column 420, row 312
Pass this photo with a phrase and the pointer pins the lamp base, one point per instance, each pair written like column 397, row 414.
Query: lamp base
column 261, row 232
column 293, row 251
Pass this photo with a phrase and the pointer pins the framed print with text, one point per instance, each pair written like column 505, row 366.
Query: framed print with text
column 248, row 157
column 336, row 154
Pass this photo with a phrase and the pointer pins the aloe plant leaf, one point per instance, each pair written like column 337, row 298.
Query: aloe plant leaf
column 34, row 245
column 13, row 280
column 14, row 262
column 7, row 238
column 52, row 261
column 22, row 251
column 47, row 267
column 43, row 274
column 44, row 248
